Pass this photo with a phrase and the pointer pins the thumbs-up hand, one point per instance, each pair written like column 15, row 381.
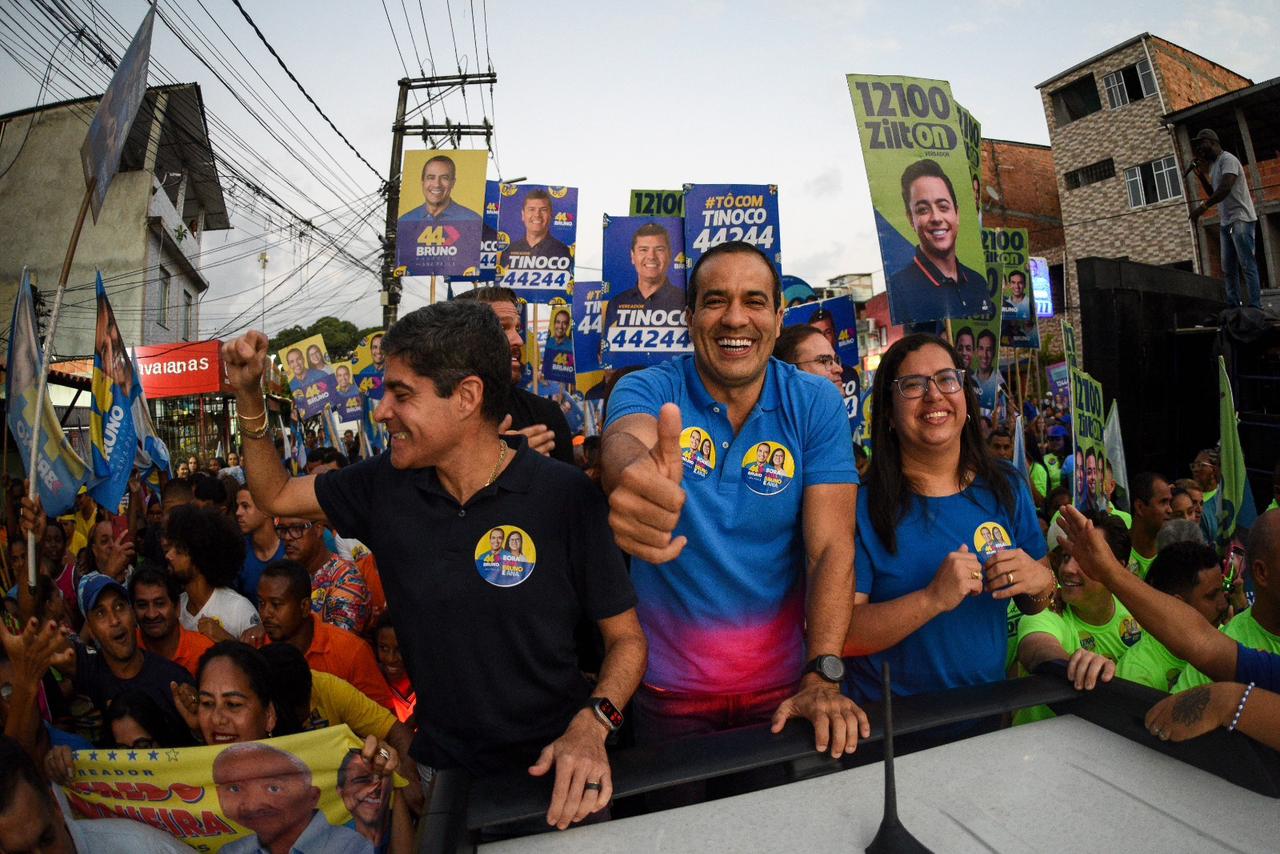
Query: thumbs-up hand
column 645, row 504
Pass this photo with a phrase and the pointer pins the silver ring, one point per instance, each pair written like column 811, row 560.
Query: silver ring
column 385, row 754
column 593, row 786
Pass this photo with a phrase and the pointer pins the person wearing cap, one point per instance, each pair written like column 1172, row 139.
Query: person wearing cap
column 1057, row 442
column 115, row 662
column 1225, row 186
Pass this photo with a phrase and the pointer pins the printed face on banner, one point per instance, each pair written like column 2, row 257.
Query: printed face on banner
column 913, row 148
column 978, row 343
column 311, row 380
column 1041, row 286
column 438, row 232
column 971, row 132
column 588, row 314
column 1018, row 325
column 720, row 213
column 348, row 401
column 1088, row 420
column 836, row 319
column 367, row 365
column 539, row 225
column 557, row 357
column 644, row 281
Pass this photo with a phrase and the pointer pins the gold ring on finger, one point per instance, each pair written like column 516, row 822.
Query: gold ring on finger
column 977, row 576
column 1010, row 574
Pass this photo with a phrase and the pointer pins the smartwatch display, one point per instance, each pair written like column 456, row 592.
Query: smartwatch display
column 606, row 712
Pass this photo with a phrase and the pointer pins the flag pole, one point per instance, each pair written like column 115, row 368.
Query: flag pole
column 41, row 379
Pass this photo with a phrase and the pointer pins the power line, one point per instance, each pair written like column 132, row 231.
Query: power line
column 306, row 94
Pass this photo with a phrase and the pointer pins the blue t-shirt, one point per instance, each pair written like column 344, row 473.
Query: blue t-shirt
column 1258, row 666
column 965, row 646
column 727, row 616
column 252, row 570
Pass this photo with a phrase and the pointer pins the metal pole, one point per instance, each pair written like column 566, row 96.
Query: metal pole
column 391, row 284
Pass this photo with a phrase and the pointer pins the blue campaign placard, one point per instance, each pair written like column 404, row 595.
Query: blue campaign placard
column 644, row 279
column 837, row 320
column 490, row 244
column 538, row 225
column 588, row 316
column 557, row 353
column 719, row 213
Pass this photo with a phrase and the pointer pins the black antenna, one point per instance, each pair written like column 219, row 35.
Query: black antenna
column 892, row 837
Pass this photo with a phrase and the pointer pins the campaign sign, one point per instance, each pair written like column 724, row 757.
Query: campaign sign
column 348, row 402
column 438, row 229
column 557, row 357
column 367, row 365
column 1069, row 346
column 644, row 279
column 657, row 203
column 719, row 213
column 588, row 311
column 978, row 343
column 929, row 232
column 1017, row 303
column 1041, row 286
column 971, row 131
column 1088, row 422
column 836, row 319
column 310, row 375
column 539, row 227
column 1059, row 382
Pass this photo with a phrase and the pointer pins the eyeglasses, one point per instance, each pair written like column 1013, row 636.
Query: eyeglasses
column 948, row 381
column 824, row 360
column 293, row 532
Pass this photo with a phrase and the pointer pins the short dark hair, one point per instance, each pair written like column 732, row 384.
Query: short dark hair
column 294, row 573
column 732, row 247
column 248, row 660
column 344, row 768
column 211, row 539
column 209, row 488
column 439, row 158
column 923, row 169
column 324, row 455
column 998, row 433
column 790, row 339
column 963, row 330
column 450, row 341
column 1142, row 486
column 536, row 193
column 491, row 294
column 1018, row 273
column 18, row 767
column 160, row 724
column 291, row 677
column 154, row 577
column 1115, row 531
column 651, row 229
column 176, row 490
column 1177, row 567
column 987, row 333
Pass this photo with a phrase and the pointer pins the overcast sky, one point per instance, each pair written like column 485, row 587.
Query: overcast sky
column 612, row 96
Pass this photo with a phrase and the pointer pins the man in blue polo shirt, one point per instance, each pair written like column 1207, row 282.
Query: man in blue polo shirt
column 488, row 643
column 745, row 559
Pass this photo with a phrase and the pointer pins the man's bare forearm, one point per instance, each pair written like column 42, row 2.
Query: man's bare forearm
column 618, row 449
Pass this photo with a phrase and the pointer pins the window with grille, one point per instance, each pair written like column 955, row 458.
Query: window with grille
column 1091, row 174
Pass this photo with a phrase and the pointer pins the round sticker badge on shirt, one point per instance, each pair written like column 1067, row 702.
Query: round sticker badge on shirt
column 697, row 452
column 767, row 468
column 989, row 538
column 505, row 556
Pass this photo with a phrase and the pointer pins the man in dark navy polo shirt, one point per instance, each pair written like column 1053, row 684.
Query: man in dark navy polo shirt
column 488, row 640
column 743, row 556
column 935, row 284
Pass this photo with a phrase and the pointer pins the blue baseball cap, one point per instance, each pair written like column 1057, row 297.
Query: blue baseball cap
column 1057, row 432
column 91, row 588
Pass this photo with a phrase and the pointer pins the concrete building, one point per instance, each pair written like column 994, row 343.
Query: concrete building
column 1117, row 164
column 146, row 241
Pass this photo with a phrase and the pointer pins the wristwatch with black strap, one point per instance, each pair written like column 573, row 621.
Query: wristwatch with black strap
column 606, row 712
column 829, row 667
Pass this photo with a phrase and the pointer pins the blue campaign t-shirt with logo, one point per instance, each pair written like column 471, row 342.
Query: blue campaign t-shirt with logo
column 727, row 616
column 965, row 646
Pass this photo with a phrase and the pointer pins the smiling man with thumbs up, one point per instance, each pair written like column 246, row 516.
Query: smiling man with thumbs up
column 743, row 567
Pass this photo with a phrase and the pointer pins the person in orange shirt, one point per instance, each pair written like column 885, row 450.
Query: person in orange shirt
column 155, row 597
column 392, row 667
column 284, row 594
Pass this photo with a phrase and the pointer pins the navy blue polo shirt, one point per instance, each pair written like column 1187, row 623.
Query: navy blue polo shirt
column 485, row 597
column 727, row 615
column 920, row 291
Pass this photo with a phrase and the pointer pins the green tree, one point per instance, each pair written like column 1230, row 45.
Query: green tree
column 340, row 336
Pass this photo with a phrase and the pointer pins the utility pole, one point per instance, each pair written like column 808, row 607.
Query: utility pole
column 434, row 135
column 262, row 262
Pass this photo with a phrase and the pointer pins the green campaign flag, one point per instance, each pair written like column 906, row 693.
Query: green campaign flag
column 1234, row 508
column 1087, row 423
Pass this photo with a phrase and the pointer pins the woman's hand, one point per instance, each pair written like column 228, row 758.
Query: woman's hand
column 959, row 577
column 382, row 757
column 59, row 766
column 1013, row 572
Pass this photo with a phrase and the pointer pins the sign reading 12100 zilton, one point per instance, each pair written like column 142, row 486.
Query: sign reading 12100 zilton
column 930, row 242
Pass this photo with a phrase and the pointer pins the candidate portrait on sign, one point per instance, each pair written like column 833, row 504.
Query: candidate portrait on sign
column 537, row 215
column 934, row 284
column 439, row 175
column 651, row 259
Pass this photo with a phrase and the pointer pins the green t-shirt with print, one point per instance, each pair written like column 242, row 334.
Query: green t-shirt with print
column 1243, row 629
column 1138, row 564
column 1149, row 662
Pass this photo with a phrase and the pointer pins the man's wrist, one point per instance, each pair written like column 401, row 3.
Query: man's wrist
column 589, row 721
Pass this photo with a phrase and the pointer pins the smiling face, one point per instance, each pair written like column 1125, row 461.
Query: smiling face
column 389, row 659
column 536, row 216
column 935, row 420
column 297, row 364
column 651, row 256
column 561, row 326
column 1076, row 586
column 267, row 793
column 362, row 791
column 423, row 425
column 156, row 613
column 810, row 350
column 229, row 709
column 438, row 179
column 1017, row 285
column 315, row 358
column 779, row 459
column 735, row 322
column 934, row 217
column 509, row 320
column 495, row 540
column 986, row 353
column 515, row 543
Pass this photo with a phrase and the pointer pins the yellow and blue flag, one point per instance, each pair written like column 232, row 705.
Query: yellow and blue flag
column 60, row 471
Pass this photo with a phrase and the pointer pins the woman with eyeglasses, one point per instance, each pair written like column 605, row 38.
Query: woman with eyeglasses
column 932, row 591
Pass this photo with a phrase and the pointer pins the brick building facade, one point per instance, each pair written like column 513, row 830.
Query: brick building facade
column 1117, row 166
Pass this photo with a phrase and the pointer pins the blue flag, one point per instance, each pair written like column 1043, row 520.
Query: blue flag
column 373, row 432
column 120, row 430
column 61, row 471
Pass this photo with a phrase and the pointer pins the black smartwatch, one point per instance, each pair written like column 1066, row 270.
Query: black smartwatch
column 829, row 667
column 606, row 712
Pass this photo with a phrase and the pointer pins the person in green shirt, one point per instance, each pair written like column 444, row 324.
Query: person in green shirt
column 1151, row 495
column 1189, row 571
column 1091, row 631
column 1257, row 627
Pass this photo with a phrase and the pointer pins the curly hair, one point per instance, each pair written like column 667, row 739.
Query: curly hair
column 211, row 539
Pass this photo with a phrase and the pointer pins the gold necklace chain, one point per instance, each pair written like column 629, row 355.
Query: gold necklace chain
column 502, row 455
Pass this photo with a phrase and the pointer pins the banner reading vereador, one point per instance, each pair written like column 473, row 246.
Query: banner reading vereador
column 311, row 791
column 438, row 229
column 539, row 225
column 644, row 281
column 913, row 149
column 837, row 320
column 719, row 213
